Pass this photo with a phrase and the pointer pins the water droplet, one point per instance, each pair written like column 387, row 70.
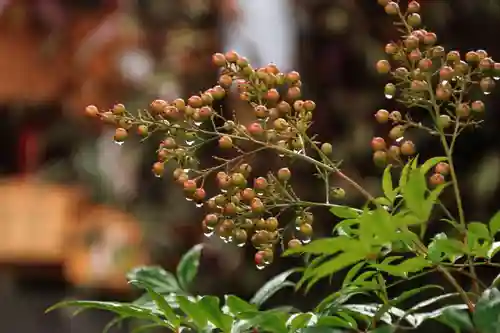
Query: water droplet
column 496, row 78
column 281, row 155
column 189, row 199
column 487, row 92
column 388, row 96
column 399, row 139
column 306, row 240
column 260, row 267
column 297, row 227
column 208, row 233
column 157, row 175
column 298, row 151
column 190, row 143
column 222, row 190
column 119, row 143
column 186, row 170
column 198, row 123
column 240, row 244
column 199, row 205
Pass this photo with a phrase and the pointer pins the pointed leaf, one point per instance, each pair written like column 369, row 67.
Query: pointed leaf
column 272, row 287
column 155, row 277
column 210, row 305
column 193, row 311
column 387, row 185
column 344, row 212
column 494, row 224
column 188, row 266
column 236, row 305
column 431, row 163
column 352, row 273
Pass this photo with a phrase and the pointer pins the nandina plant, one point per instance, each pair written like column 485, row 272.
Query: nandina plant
column 376, row 247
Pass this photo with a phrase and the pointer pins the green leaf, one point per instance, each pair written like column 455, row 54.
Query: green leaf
column 334, row 322
column 441, row 248
column 387, row 185
column 345, row 227
column 352, row 274
column 301, row 320
column 384, row 329
column 410, row 293
column 331, row 266
column 457, row 319
column 411, row 265
column 324, row 246
column 210, row 305
column 431, row 163
column 193, row 311
column 270, row 321
column 344, row 212
column 414, row 194
column 126, row 310
column 272, row 287
column 494, row 224
column 155, row 277
column 479, row 229
column 161, row 303
column 236, row 305
column 487, row 312
column 188, row 266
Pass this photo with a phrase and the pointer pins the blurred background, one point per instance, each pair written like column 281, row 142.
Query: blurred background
column 78, row 210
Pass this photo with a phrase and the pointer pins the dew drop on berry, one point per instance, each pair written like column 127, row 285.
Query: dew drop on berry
column 189, row 143
column 209, row 233
column 260, row 267
column 189, row 199
column 199, row 205
column 198, row 123
column 388, row 96
column 240, row 244
column 119, row 143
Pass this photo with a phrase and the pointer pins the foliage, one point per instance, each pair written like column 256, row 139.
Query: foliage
column 381, row 245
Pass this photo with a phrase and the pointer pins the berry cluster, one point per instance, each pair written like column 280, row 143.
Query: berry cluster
column 425, row 76
column 248, row 206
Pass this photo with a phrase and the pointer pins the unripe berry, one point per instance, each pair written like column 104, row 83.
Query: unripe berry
column 189, row 186
column 446, row 73
column 430, row 38
column 271, row 224
column 414, row 19
column 389, row 90
column 225, row 81
column 477, row 106
column 443, row 94
column 438, row 52
column 378, row 143
column 306, row 229
column 199, row 194
column 121, row 134
column 284, row 174
column 292, row 77
column 380, row 158
column 337, row 193
column 487, row 84
column 218, row 92
column 272, row 95
column 461, row 68
column 248, row 194
column 442, row 168
column 260, row 183
column 411, row 42
column 255, row 129
column 482, row 54
column 413, row 7
column 230, row 209
column 462, row 110
column 298, row 105
column 392, row 8
column 326, row 148
column 219, row 60
column 261, row 111
column 92, row 111
column 294, row 243
column 177, row 173
column 486, row 64
column 142, row 130
column 425, row 65
column 240, row 236
column 395, row 116
column 396, row 132
column 444, row 121
column 391, row 48
column 453, row 56
column 383, row 67
column 436, row 179
column 238, row 179
column 257, row 206
column 394, row 152
column 280, row 124
column 408, row 148
column 118, row 109
column 293, row 93
column 225, row 142
column 472, row 57
column 211, row 220
column 158, row 105
column 309, row 105
column 158, row 169
column 284, row 108
column 242, row 62
column 232, row 56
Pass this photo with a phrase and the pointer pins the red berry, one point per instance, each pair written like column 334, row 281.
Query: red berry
column 442, row 168
column 436, row 179
column 378, row 143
